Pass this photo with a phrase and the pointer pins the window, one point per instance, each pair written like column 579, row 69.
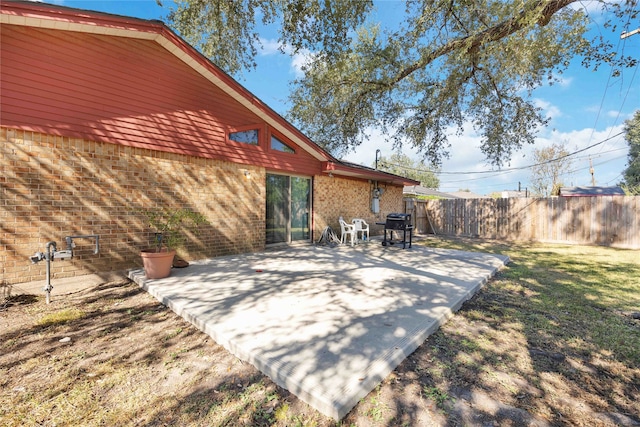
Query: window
column 278, row 145
column 245, row 136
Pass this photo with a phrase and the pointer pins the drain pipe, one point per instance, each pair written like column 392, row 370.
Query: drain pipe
column 51, row 255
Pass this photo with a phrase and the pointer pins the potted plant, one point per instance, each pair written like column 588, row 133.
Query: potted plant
column 169, row 226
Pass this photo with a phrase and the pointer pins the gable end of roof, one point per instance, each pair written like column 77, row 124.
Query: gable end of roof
column 63, row 18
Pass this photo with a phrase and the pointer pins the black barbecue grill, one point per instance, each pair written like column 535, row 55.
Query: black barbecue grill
column 399, row 222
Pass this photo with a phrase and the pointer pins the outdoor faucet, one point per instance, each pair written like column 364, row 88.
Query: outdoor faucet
column 52, row 253
column 40, row 256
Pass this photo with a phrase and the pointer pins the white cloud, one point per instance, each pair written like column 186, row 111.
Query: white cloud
column 549, row 110
column 611, row 117
column 269, row 47
column 614, row 114
column 298, row 60
column 563, row 81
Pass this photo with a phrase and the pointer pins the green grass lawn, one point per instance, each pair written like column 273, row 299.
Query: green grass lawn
column 551, row 338
column 558, row 319
column 577, row 298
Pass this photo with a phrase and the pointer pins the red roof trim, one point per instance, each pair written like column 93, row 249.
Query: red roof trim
column 63, row 14
column 337, row 168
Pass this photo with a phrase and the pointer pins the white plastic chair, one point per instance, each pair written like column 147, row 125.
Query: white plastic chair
column 347, row 230
column 360, row 226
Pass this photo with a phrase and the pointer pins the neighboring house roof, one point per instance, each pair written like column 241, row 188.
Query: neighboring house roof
column 173, row 117
column 467, row 195
column 509, row 194
column 591, row 191
column 419, row 190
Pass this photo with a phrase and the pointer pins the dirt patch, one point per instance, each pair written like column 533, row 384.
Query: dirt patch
column 112, row 355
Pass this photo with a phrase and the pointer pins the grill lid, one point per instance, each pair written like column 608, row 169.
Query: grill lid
column 399, row 217
column 398, row 221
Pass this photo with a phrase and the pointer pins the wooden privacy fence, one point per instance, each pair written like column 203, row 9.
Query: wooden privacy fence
column 604, row 220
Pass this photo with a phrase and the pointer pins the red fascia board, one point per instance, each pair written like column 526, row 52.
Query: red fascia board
column 29, row 9
column 373, row 175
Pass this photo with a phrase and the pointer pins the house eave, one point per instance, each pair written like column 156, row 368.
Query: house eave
column 340, row 169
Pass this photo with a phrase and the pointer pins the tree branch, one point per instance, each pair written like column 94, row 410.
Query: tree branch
column 545, row 10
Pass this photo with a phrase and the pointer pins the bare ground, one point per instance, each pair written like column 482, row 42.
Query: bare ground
column 112, row 355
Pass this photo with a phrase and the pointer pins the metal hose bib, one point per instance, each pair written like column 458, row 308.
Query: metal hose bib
column 52, row 253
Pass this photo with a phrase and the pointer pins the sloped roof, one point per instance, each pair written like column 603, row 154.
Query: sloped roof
column 509, row 194
column 419, row 190
column 468, row 195
column 42, row 15
column 591, row 191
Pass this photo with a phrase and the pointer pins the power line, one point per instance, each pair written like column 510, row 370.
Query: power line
column 604, row 95
column 507, row 169
column 444, row 184
column 624, row 99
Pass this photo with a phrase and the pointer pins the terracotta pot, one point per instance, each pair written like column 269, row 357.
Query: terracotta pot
column 157, row 265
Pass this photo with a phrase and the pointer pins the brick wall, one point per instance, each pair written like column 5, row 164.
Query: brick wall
column 336, row 197
column 51, row 187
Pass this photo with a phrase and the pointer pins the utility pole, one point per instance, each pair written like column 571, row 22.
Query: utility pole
column 630, row 33
column 377, row 152
column 592, row 171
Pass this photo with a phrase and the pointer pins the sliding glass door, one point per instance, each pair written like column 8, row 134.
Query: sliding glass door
column 300, row 208
column 288, row 208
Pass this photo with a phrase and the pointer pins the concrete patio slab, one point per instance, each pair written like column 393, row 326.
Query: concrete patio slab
column 328, row 324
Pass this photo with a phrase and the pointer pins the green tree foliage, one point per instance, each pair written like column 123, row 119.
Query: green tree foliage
column 225, row 30
column 420, row 80
column 403, row 165
column 632, row 172
column 550, row 164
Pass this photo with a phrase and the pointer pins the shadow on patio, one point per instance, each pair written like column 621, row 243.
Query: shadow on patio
column 328, row 324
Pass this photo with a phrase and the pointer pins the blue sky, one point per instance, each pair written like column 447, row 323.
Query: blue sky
column 586, row 108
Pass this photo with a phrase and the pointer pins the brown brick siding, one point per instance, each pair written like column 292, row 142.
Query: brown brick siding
column 52, row 187
column 336, row 197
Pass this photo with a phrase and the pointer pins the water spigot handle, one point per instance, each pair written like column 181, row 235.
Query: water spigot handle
column 71, row 245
